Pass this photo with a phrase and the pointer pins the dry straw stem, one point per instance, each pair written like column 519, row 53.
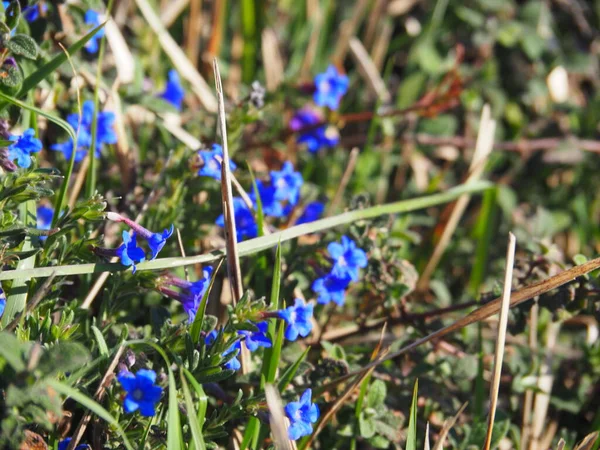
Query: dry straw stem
column 85, row 420
column 124, row 61
column 481, row 313
column 368, row 70
column 172, row 10
column 446, row 427
column 352, row 159
column 178, row 57
column 483, row 148
column 347, row 30
column 277, row 419
column 501, row 340
column 272, row 61
column 315, row 15
column 528, row 401
column 426, row 446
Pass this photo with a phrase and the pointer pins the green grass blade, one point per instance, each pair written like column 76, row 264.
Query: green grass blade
column 196, row 431
column 196, row 328
column 92, row 405
column 411, row 437
column 51, row 66
column 202, row 397
column 251, row 433
column 256, row 245
column 289, row 374
column 102, row 347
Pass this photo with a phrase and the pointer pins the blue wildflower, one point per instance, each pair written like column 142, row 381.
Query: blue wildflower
column 330, row 87
column 244, row 220
column 32, row 13
column 257, row 339
column 142, row 393
column 44, row 215
column 2, row 302
column 64, row 444
column 211, row 162
column 312, row 212
column 305, row 122
column 302, row 415
column 268, row 198
column 233, row 363
column 156, row 241
column 129, row 252
column 93, row 18
column 105, row 133
column 23, row 147
column 192, row 292
column 287, row 183
column 298, row 319
column 174, row 92
column 331, row 288
column 347, row 258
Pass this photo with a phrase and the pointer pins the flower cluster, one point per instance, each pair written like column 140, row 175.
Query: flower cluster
column 211, row 161
column 302, row 415
column 142, row 392
column 129, row 252
column 105, row 133
column 329, row 88
column 22, row 148
column 190, row 293
column 347, row 260
column 173, row 93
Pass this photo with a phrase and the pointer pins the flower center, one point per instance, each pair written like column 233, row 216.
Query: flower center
column 137, row 394
column 342, row 261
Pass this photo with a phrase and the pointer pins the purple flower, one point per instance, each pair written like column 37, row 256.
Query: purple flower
column 257, row 339
column 312, row 212
column 233, row 363
column 192, row 292
column 347, row 258
column 93, row 18
column 244, row 220
column 64, row 444
column 2, row 302
column 331, row 289
column 105, row 133
column 211, row 162
column 129, row 252
column 298, row 319
column 174, row 92
column 142, row 393
column 23, row 147
column 302, row 415
column 315, row 137
column 287, row 183
column 330, row 87
column 156, row 241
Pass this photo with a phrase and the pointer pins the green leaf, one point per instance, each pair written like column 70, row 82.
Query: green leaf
column 92, row 405
column 377, row 394
column 200, row 313
column 13, row 351
column 11, row 76
column 411, row 437
column 366, row 426
column 290, row 372
column 12, row 14
column 51, row 66
column 196, row 430
column 102, row 347
column 63, row 357
column 23, row 45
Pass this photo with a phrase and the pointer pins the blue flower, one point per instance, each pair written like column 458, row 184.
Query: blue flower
column 93, row 18
column 287, row 183
column 129, row 252
column 315, row 137
column 64, row 444
column 330, row 87
column 105, row 133
column 23, row 147
column 158, row 240
column 44, row 219
column 142, row 393
column 331, row 288
column 192, row 292
column 302, row 415
column 211, row 162
column 2, row 302
column 268, row 198
column 174, row 92
column 312, row 212
column 32, row 13
column 244, row 220
column 347, row 258
column 298, row 319
column 233, row 363
column 257, row 339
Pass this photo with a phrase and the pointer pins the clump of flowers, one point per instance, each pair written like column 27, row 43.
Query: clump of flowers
column 190, row 294
column 302, row 415
column 129, row 253
column 173, row 93
column 105, row 133
column 312, row 131
column 142, row 392
column 211, row 161
column 347, row 260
